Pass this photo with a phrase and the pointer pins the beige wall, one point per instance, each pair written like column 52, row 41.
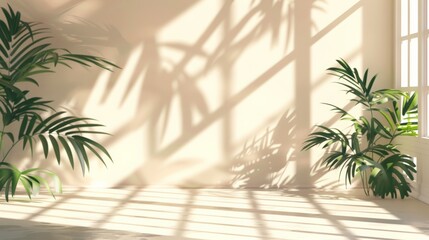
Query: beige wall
column 211, row 93
column 418, row 148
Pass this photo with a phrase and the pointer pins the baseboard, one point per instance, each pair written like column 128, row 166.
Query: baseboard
column 423, row 197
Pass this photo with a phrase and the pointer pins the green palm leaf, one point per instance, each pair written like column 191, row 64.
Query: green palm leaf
column 366, row 149
column 31, row 179
column 69, row 131
column 388, row 178
column 25, row 52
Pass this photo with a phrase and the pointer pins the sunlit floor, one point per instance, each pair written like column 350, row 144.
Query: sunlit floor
column 141, row 213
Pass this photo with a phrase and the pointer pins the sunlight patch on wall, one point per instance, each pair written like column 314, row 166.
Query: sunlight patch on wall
column 186, row 29
column 344, row 20
column 125, row 161
column 86, row 8
column 325, row 17
column 116, row 109
column 197, row 155
column 271, row 97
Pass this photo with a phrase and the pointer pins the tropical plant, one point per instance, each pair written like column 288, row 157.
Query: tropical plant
column 24, row 54
column 367, row 148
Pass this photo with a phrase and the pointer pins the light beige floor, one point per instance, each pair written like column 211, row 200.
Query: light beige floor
column 153, row 214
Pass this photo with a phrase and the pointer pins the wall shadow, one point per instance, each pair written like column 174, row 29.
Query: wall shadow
column 164, row 83
column 166, row 95
column 262, row 163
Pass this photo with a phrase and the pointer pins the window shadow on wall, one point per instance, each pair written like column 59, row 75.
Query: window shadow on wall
column 159, row 83
column 163, row 81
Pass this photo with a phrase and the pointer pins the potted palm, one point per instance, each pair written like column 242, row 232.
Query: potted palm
column 367, row 148
column 26, row 120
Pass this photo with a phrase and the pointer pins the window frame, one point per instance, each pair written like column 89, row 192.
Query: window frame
column 422, row 36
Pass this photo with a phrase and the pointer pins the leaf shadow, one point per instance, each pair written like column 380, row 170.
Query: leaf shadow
column 264, row 161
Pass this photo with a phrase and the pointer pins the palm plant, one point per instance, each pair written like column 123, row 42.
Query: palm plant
column 24, row 54
column 367, row 148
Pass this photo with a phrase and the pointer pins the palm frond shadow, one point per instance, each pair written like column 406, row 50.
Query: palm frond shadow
column 163, row 84
column 164, row 81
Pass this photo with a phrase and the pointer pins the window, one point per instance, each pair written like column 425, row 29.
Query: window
column 412, row 64
column 412, row 40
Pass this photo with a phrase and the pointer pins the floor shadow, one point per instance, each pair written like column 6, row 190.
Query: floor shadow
column 20, row 229
column 211, row 214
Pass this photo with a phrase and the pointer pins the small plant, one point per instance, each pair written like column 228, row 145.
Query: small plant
column 367, row 148
column 25, row 54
